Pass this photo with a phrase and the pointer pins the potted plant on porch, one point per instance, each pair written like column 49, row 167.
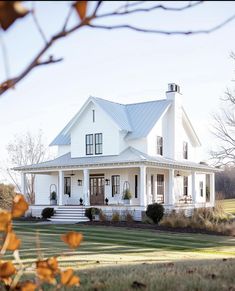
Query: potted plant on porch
column 127, row 197
column 53, row 198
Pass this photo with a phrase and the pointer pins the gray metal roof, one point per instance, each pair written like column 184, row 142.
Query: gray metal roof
column 136, row 119
column 128, row 156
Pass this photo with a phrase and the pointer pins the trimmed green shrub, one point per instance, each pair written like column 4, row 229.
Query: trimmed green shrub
column 155, row 211
column 48, row 212
column 89, row 212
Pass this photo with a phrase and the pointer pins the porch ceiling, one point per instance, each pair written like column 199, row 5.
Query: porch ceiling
column 128, row 158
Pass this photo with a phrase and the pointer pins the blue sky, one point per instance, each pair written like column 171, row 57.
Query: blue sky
column 122, row 66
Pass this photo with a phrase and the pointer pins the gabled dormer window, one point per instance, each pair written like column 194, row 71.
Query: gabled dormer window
column 185, row 150
column 159, row 145
column 89, row 144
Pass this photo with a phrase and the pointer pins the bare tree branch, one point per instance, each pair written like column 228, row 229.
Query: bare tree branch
column 164, row 32
column 36, row 61
column 33, row 13
column 149, row 9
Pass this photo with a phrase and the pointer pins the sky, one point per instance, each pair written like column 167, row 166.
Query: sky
column 119, row 65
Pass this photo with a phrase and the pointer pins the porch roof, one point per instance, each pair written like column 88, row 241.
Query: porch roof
column 129, row 156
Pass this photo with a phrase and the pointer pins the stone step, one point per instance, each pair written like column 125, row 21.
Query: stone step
column 68, row 215
column 68, row 219
column 71, row 212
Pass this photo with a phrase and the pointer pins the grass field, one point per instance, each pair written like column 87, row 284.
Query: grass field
column 111, row 256
column 229, row 205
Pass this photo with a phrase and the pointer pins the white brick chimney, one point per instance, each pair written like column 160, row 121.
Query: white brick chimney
column 175, row 121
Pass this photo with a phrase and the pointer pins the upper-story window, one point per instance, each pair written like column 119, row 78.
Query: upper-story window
column 94, row 144
column 93, row 115
column 160, row 145
column 98, row 144
column 201, row 188
column 185, row 150
column 89, row 144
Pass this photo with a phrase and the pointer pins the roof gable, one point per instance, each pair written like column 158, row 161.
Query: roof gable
column 189, row 127
column 135, row 119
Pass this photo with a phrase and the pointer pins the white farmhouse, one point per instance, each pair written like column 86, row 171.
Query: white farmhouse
column 149, row 149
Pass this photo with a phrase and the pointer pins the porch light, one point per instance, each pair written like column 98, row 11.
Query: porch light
column 107, row 182
column 178, row 174
column 79, row 182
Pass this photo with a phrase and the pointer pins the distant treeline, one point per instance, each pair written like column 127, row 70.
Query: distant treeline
column 225, row 183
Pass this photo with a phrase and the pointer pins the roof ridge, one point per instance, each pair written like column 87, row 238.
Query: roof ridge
column 150, row 101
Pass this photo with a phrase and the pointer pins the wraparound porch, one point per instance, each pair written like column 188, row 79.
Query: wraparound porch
column 147, row 184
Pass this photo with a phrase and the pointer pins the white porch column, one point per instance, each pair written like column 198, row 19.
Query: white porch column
column 194, row 191
column 212, row 189
column 86, row 191
column 171, row 192
column 61, row 187
column 23, row 183
column 143, row 198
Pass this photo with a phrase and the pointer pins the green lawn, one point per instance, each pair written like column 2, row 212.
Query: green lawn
column 113, row 258
column 229, row 205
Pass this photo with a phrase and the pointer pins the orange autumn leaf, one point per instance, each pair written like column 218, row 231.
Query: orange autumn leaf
column 69, row 279
column 81, row 8
column 7, row 269
column 19, row 206
column 26, row 286
column 47, row 269
column 10, row 11
column 5, row 220
column 13, row 243
column 73, row 239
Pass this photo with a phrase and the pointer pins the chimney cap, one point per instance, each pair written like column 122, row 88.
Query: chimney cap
column 172, row 87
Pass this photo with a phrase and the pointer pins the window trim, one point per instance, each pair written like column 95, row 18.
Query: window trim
column 89, row 145
column 159, row 145
column 98, row 143
column 115, row 180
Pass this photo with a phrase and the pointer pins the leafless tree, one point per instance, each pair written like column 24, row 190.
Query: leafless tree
column 224, row 130
column 92, row 17
column 25, row 150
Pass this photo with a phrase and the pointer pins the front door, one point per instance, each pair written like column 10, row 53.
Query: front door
column 97, row 190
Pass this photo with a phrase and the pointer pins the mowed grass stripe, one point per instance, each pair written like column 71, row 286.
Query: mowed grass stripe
column 160, row 237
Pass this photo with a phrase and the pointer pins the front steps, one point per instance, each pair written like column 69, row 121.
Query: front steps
column 69, row 214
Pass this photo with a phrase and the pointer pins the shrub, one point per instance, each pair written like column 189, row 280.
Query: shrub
column 102, row 216
column 89, row 212
column 128, row 217
column 48, row 212
column 155, row 211
column 116, row 217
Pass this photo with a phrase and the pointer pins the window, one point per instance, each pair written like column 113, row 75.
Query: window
column 67, row 186
column 98, row 144
column 185, row 150
column 115, row 185
column 160, row 188
column 93, row 115
column 186, row 186
column 201, row 188
column 136, row 186
column 159, row 145
column 89, row 144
